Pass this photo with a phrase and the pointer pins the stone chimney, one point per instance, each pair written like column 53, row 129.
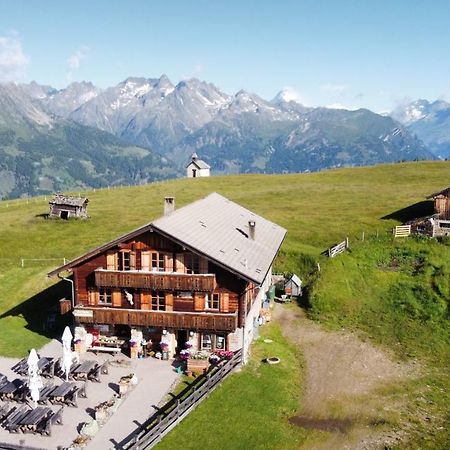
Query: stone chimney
column 251, row 229
column 169, row 205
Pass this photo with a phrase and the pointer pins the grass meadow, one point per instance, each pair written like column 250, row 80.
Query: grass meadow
column 374, row 288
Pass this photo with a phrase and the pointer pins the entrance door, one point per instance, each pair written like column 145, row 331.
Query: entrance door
column 182, row 337
column 194, row 173
column 64, row 215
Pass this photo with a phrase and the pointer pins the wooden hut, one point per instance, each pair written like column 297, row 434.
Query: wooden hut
column 66, row 207
column 293, row 286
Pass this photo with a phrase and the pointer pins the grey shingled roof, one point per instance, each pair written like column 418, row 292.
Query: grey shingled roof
column 219, row 229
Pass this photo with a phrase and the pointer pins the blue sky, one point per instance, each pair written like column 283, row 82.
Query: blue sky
column 369, row 53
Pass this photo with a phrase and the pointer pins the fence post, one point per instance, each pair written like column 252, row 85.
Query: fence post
column 346, row 242
column 363, row 236
column 22, row 262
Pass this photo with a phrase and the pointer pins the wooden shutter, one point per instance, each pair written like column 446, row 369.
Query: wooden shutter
column 111, row 261
column 203, row 263
column 224, row 301
column 199, row 302
column 180, row 263
column 117, row 299
column 92, row 297
column 132, row 260
column 146, row 300
column 168, row 262
column 145, row 261
column 169, row 301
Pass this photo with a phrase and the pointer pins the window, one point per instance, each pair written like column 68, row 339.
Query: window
column 158, row 262
column 215, row 301
column 206, row 342
column 158, row 301
column 105, row 296
column 212, row 302
column 124, row 260
column 213, row 342
column 220, row 342
column 192, row 263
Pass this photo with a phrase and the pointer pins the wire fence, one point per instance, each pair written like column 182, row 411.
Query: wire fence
column 45, row 198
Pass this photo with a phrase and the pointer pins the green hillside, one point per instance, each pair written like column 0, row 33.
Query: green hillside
column 395, row 293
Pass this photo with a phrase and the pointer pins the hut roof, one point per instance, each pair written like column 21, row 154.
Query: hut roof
column 59, row 199
column 295, row 279
column 445, row 192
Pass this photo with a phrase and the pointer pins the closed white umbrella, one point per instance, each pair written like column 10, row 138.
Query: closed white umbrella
column 67, row 351
column 34, row 380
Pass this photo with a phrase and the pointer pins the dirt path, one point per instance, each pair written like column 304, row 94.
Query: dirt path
column 346, row 385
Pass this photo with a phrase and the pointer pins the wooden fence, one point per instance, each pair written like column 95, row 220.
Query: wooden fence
column 176, row 409
column 338, row 248
column 402, row 231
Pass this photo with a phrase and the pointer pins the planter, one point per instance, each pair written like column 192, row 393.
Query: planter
column 123, row 388
column 197, row 366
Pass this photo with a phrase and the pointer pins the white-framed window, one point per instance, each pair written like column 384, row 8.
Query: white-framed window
column 158, row 301
column 105, row 296
column 212, row 342
column 157, row 262
column 206, row 341
column 212, row 301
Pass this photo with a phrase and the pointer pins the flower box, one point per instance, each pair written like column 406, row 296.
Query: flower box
column 197, row 366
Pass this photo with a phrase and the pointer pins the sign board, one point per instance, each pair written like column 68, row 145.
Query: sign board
column 83, row 313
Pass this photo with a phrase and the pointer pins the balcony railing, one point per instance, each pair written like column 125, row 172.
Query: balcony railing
column 156, row 281
column 177, row 320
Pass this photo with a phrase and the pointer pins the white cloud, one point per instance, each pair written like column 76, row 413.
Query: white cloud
column 12, row 58
column 289, row 94
column 335, row 88
column 74, row 60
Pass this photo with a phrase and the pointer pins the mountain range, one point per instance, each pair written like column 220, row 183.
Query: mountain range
column 430, row 122
column 145, row 129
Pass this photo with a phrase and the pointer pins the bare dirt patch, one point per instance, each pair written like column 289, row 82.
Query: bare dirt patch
column 346, row 384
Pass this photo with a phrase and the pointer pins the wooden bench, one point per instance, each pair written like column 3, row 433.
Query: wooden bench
column 100, row 348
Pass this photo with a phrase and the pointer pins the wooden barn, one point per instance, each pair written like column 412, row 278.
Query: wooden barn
column 197, row 167
column 200, row 274
column 439, row 223
column 66, row 207
column 442, row 204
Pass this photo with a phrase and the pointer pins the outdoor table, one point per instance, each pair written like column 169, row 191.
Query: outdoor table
column 8, row 389
column 44, row 364
column 84, row 370
column 11, row 423
column 110, row 342
column 64, row 393
column 33, row 418
column 45, row 392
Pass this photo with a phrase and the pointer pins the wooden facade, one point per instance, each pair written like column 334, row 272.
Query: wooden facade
column 442, row 204
column 154, row 282
column 163, row 319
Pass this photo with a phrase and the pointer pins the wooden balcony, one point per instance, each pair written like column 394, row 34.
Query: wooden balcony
column 177, row 320
column 155, row 281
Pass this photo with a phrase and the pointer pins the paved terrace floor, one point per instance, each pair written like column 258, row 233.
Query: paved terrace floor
column 155, row 379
